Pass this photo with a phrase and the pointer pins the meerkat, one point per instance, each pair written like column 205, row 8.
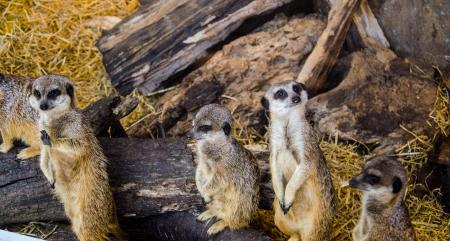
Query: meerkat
column 72, row 159
column 227, row 175
column 17, row 118
column 384, row 216
column 304, row 194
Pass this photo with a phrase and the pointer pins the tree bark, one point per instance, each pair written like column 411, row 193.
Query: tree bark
column 321, row 60
column 163, row 38
column 148, row 178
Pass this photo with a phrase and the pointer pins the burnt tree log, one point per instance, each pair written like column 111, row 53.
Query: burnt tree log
column 104, row 114
column 148, row 178
column 324, row 55
column 163, row 38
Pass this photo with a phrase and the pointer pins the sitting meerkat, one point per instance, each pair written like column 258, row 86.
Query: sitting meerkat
column 227, row 175
column 304, row 195
column 384, row 216
column 72, row 159
column 17, row 118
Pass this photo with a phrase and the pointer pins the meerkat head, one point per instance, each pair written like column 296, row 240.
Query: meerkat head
column 382, row 178
column 52, row 94
column 281, row 98
column 212, row 123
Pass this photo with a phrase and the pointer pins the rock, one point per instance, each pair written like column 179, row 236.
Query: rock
column 376, row 97
column 415, row 29
column 245, row 68
column 436, row 174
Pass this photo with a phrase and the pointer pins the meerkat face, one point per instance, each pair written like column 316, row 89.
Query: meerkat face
column 52, row 94
column 381, row 177
column 212, row 123
column 284, row 96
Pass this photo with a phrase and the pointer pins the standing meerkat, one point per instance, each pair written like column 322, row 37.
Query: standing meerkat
column 384, row 216
column 227, row 175
column 72, row 159
column 17, row 118
column 304, row 195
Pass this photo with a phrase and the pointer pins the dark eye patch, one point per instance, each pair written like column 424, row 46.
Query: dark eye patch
column 280, row 94
column 296, row 89
column 204, row 128
column 226, row 129
column 371, row 179
column 396, row 185
column 37, row 94
column 53, row 94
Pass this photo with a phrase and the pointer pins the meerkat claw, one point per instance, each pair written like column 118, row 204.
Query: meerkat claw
column 206, row 215
column 45, row 138
column 4, row 148
column 217, row 227
column 286, row 208
column 281, row 205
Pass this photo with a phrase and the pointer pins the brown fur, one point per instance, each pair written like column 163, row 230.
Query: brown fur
column 384, row 216
column 227, row 175
column 300, row 175
column 18, row 121
column 76, row 162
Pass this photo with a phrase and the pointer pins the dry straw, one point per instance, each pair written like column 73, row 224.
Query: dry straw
column 51, row 36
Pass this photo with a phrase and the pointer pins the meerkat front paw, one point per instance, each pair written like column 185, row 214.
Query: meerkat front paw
column 52, row 184
column 45, row 138
column 217, row 227
column 206, row 215
column 294, row 238
column 5, row 147
column 28, row 153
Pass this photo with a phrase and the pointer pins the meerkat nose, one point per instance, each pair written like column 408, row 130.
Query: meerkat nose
column 44, row 106
column 296, row 99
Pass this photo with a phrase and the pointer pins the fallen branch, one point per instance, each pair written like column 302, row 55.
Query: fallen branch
column 321, row 60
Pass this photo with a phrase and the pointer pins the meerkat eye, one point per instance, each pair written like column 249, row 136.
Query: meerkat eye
column 37, row 94
column 371, row 179
column 280, row 94
column 204, row 128
column 53, row 94
column 296, row 89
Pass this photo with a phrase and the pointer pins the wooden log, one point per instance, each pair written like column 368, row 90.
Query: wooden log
column 367, row 25
column 105, row 114
column 148, row 177
column 195, row 97
column 324, row 55
column 163, row 38
column 172, row 226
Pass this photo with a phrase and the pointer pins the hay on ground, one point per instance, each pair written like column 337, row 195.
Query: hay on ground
column 44, row 36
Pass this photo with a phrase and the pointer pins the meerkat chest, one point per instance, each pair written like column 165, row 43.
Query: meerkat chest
column 287, row 148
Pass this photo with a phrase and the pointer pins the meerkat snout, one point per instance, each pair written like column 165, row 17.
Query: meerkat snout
column 52, row 93
column 284, row 96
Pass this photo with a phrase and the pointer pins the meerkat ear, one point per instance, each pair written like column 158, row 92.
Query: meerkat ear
column 69, row 90
column 226, row 129
column 29, row 87
column 265, row 103
column 397, row 185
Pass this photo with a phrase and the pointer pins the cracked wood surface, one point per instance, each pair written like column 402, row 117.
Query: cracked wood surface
column 163, row 38
column 152, row 181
